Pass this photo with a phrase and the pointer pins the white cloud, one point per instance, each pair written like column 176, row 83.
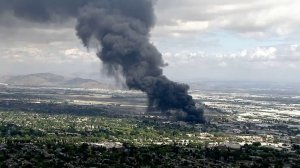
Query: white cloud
column 184, row 57
column 77, row 54
column 21, row 54
column 270, row 63
column 260, row 53
column 44, row 54
column 271, row 56
column 254, row 18
column 179, row 27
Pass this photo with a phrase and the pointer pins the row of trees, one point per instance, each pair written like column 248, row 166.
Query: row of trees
column 17, row 154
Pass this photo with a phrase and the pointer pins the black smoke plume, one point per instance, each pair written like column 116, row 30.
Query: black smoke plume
column 121, row 28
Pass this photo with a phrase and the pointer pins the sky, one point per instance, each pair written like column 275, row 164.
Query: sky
column 200, row 40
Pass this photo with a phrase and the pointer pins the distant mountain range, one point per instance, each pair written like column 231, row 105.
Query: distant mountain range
column 51, row 80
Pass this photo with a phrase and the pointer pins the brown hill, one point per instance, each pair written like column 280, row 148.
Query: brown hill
column 53, row 80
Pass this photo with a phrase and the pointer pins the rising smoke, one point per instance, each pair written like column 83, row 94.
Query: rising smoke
column 121, row 28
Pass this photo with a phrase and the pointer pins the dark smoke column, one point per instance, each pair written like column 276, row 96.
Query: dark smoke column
column 121, row 27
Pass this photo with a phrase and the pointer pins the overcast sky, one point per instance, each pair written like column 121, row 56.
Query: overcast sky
column 238, row 40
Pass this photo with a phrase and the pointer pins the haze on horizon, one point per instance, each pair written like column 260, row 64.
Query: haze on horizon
column 200, row 40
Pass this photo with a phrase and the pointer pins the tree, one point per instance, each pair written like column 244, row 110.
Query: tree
column 257, row 144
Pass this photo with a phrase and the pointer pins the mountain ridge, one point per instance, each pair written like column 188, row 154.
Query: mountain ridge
column 52, row 80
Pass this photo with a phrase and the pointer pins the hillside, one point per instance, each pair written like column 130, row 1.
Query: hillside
column 52, row 80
